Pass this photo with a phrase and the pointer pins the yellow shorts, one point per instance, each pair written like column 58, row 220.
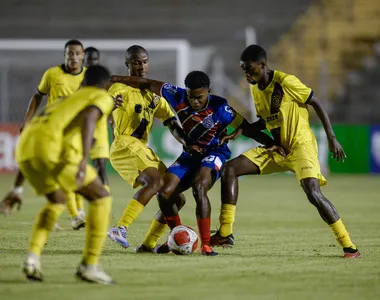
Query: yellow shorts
column 303, row 161
column 129, row 156
column 101, row 148
column 47, row 177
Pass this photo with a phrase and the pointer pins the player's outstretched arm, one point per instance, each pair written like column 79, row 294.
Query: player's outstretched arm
column 33, row 105
column 139, row 82
column 334, row 146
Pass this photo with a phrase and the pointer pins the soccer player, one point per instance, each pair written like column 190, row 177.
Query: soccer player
column 281, row 102
column 53, row 156
column 91, row 57
column 204, row 118
column 137, row 164
column 59, row 81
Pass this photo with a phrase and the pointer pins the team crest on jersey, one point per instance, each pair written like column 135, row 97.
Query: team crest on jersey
column 155, row 101
column 276, row 98
column 208, row 122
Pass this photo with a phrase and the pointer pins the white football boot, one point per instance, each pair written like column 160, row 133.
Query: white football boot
column 32, row 268
column 93, row 273
column 78, row 222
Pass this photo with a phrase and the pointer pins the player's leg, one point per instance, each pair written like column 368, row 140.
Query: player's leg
column 39, row 175
column 151, row 180
column 77, row 220
column 137, row 165
column 304, row 162
column 98, row 217
column 203, row 182
column 167, row 205
column 254, row 161
column 99, row 208
column 43, row 225
column 158, row 227
column 330, row 215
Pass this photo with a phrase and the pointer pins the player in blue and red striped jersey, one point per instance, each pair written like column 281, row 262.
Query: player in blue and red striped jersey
column 204, row 118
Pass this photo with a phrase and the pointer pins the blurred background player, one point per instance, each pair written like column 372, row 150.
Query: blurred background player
column 59, row 81
column 130, row 156
column 91, row 57
column 282, row 101
column 62, row 130
column 204, row 118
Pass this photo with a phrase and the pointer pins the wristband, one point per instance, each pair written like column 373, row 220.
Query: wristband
column 18, row 190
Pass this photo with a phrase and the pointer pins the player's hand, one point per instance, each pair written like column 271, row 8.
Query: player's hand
column 336, row 149
column 231, row 137
column 277, row 148
column 81, row 172
column 10, row 201
column 118, row 101
column 195, row 148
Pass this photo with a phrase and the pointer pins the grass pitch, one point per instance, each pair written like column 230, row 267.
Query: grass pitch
column 283, row 251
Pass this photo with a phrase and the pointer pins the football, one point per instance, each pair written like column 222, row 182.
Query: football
column 182, row 240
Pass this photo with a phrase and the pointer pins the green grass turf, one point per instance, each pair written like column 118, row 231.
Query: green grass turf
column 283, row 250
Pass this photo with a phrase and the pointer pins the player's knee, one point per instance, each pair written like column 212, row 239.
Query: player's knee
column 164, row 193
column 156, row 184
column 180, row 201
column 57, row 197
column 315, row 197
column 227, row 170
column 94, row 191
column 199, row 188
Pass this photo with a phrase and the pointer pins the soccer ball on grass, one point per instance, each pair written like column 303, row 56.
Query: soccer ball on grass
column 182, row 240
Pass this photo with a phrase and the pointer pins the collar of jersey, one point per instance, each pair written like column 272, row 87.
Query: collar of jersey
column 63, row 67
column 208, row 100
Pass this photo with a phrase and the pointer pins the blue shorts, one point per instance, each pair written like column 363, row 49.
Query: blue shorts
column 186, row 165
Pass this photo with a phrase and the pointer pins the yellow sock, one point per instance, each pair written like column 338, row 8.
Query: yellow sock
column 71, row 205
column 130, row 214
column 226, row 219
column 96, row 229
column 342, row 235
column 79, row 202
column 156, row 230
column 43, row 225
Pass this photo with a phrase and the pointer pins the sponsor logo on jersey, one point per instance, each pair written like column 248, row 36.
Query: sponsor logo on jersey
column 170, row 88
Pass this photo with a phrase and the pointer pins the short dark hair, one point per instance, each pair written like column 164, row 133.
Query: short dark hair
column 91, row 49
column 133, row 50
column 96, row 75
column 197, row 79
column 253, row 53
column 73, row 43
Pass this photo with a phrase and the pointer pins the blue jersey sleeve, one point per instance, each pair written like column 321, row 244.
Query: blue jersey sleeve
column 226, row 114
column 173, row 94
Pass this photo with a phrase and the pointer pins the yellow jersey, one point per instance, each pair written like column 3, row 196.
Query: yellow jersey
column 57, row 82
column 136, row 116
column 55, row 132
column 282, row 106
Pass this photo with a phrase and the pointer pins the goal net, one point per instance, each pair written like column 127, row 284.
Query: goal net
column 22, row 63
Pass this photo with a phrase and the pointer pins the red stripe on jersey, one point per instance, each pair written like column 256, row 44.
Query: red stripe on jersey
column 180, row 106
